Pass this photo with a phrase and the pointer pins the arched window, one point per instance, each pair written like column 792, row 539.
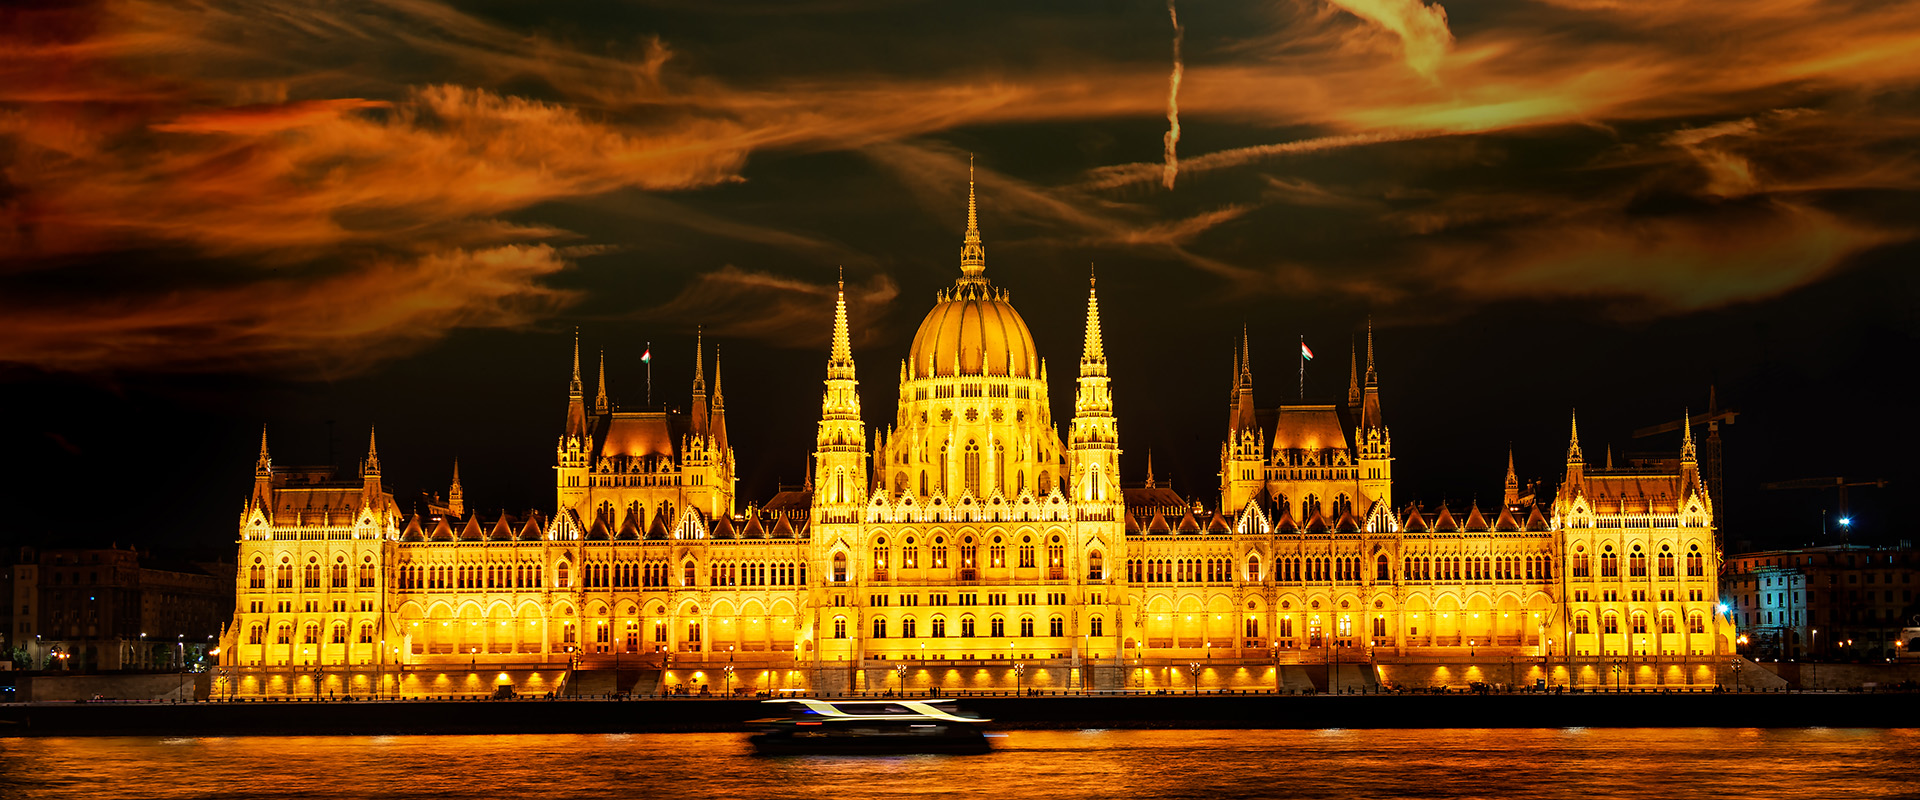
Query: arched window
column 839, row 627
column 1580, row 623
column 907, row 628
column 366, row 633
column 257, row 634
column 562, row 579
column 1582, row 567
column 840, row 486
column 1096, row 566
column 966, row 627
column 1253, row 567
column 997, row 627
column 1695, row 564
column 972, row 467
column 1056, row 559
column 909, row 555
column 1096, row 627
column 339, row 576
column 1696, row 623
column 366, row 572
column 1382, row 570
column 1026, row 627
column 687, row 575
column 257, row 575
column 312, row 634
column 1666, row 622
column 939, row 627
column 283, row 634
column 923, row 483
column 1666, row 562
column 1026, row 552
column 945, row 484
column 339, row 633
column 283, row 575
column 998, row 553
column 1639, row 622
column 1609, row 563
column 999, row 466
column 312, row 576
column 1637, row 563
column 1057, row 626
column 879, row 627
column 880, row 559
column 1609, row 623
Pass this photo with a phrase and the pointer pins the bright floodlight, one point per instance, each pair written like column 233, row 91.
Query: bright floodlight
column 1845, row 521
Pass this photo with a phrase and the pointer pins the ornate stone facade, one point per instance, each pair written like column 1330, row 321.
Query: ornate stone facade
column 973, row 545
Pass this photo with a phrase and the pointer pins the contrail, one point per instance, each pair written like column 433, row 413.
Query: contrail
column 1172, row 137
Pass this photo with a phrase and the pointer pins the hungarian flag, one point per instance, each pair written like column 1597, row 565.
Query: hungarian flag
column 647, row 357
column 1305, row 352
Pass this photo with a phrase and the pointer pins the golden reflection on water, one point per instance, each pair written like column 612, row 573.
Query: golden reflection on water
column 1549, row 763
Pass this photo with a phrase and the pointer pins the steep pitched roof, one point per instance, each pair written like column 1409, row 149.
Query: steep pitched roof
column 442, row 532
column 472, row 532
column 531, row 532
column 1443, row 522
column 1133, row 523
column 1505, row 522
column 1475, row 522
column 1188, row 524
column 598, row 533
column 1414, row 522
column 412, row 532
column 658, row 530
column 782, row 529
column 722, row 527
column 502, row 531
column 753, row 529
column 1219, row 524
column 1535, row 520
column 1159, row 523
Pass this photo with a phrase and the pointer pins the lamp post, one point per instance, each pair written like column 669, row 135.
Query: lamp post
column 728, row 671
column 1019, row 671
column 900, row 678
column 1193, row 671
column 1619, row 671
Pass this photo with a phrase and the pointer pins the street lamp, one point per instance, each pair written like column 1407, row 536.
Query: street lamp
column 728, row 670
column 1019, row 671
column 900, row 677
column 1193, row 670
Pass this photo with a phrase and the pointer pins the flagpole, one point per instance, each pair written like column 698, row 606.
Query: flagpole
column 649, row 352
column 1302, row 355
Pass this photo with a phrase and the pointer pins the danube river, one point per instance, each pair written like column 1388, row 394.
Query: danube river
column 1507, row 764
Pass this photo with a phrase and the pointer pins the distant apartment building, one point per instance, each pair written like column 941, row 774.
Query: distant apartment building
column 1839, row 602
column 111, row 608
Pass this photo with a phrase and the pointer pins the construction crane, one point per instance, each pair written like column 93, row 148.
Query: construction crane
column 1838, row 484
column 1709, row 449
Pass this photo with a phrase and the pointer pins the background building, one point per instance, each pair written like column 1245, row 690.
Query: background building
column 109, row 608
column 1837, row 602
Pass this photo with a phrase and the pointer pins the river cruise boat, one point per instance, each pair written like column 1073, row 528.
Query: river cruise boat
column 930, row 725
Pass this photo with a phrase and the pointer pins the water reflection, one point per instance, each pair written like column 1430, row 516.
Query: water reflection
column 1546, row 763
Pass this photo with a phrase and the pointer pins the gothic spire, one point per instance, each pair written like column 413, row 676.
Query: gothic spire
column 265, row 463
column 1372, row 378
column 1353, row 377
column 600, row 404
column 372, row 465
column 1686, row 436
column 1513, row 480
column 1149, row 469
column 1093, row 355
column 840, row 363
column 973, row 255
column 699, row 361
column 1573, row 447
column 456, row 496
column 574, row 386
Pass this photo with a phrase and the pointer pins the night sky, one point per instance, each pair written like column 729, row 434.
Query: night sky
column 325, row 216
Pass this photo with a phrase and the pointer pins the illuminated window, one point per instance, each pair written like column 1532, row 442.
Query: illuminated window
column 966, row 627
column 939, row 627
column 366, row 633
column 839, row 627
column 1580, row 623
column 1666, row 622
column 256, row 634
column 312, row 633
column 1026, row 627
column 879, row 628
column 907, row 628
column 1096, row 566
column 1382, row 570
column 283, row 634
column 997, row 627
column 1026, row 552
column 1609, row 623
column 839, row 567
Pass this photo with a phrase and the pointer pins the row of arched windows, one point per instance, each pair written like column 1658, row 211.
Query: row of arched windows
column 1454, row 569
column 1610, row 623
column 310, row 634
column 729, row 573
column 490, row 575
column 1637, row 562
column 1179, row 570
column 339, row 574
column 965, row 628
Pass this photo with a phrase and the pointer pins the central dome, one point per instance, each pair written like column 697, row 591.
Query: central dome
column 974, row 328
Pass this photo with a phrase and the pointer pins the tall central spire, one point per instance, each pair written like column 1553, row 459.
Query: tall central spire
column 973, row 255
column 840, row 362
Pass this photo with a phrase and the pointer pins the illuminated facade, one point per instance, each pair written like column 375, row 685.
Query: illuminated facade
column 973, row 544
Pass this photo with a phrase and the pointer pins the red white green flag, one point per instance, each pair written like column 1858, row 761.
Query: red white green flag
column 1306, row 352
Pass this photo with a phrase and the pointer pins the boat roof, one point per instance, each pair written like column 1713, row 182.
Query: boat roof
column 879, row 709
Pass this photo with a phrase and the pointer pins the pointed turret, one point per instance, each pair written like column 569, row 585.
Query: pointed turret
column 1093, row 446
column 1370, row 418
column 371, row 466
column 600, row 404
column 1353, row 381
column 456, row 497
column 1512, row 493
column 719, row 408
column 1575, row 483
column 1243, row 417
column 1149, row 469
column 576, row 398
column 1689, row 463
column 840, row 447
column 263, row 478
column 699, row 421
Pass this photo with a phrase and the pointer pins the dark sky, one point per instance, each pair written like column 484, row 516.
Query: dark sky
column 324, row 216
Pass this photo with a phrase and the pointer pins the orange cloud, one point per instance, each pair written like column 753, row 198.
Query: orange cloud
column 323, row 327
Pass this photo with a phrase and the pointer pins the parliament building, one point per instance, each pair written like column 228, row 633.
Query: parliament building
column 973, row 544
